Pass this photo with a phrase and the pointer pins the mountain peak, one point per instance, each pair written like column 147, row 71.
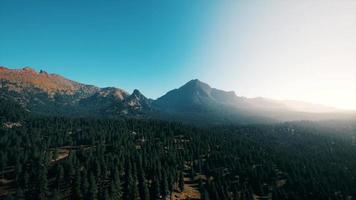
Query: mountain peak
column 196, row 86
column 137, row 102
column 136, row 92
column 194, row 81
column 43, row 72
column 29, row 69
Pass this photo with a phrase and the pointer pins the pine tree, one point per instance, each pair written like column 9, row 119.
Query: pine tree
column 164, row 185
column 84, row 184
column 3, row 161
column 181, row 182
column 56, row 195
column 205, row 195
column 59, row 176
column 214, row 193
column 20, row 194
column 9, row 197
column 93, row 189
column 42, row 183
column 107, row 195
column 132, row 188
column 146, row 193
column 116, row 190
column 76, row 189
column 155, row 190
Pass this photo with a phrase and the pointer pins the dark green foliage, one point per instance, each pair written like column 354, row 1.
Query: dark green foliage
column 76, row 188
column 116, row 190
column 155, row 190
column 147, row 159
column 9, row 197
column 11, row 111
column 181, row 181
column 56, row 195
column 93, row 189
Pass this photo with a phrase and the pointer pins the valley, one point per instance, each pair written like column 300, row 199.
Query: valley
column 79, row 158
column 64, row 140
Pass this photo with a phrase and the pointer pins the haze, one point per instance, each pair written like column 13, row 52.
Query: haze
column 300, row 50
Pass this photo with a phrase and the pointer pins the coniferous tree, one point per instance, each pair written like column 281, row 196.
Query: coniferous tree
column 116, row 190
column 9, row 197
column 42, row 183
column 93, row 189
column 155, row 190
column 3, row 161
column 133, row 193
column 146, row 192
column 56, row 195
column 20, row 195
column 181, row 181
column 76, row 189
column 84, row 184
column 233, row 162
column 59, row 176
column 164, row 186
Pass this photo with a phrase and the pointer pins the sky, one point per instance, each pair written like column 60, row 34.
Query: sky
column 282, row 49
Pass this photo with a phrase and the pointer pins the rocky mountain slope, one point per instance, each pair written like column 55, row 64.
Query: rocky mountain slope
column 194, row 102
column 27, row 79
column 52, row 94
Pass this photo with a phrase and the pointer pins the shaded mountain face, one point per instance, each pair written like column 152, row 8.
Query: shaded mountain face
column 197, row 101
column 196, row 95
column 102, row 101
column 137, row 102
column 122, row 103
column 52, row 94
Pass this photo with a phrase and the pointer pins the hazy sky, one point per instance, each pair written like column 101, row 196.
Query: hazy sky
column 284, row 49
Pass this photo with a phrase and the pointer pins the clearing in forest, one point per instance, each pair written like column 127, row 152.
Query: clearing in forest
column 190, row 191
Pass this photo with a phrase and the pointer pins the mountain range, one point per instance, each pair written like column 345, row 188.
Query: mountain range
column 196, row 102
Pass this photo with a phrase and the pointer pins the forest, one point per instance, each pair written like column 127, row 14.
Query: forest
column 131, row 159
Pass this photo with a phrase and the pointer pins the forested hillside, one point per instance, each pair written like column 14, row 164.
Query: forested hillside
column 10, row 111
column 63, row 158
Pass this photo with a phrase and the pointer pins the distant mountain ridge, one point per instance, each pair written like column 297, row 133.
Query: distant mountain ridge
column 195, row 101
column 27, row 78
column 53, row 94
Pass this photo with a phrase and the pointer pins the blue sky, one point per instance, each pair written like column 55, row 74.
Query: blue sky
column 303, row 50
column 128, row 44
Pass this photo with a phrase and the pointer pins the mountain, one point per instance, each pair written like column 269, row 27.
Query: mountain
column 194, row 102
column 103, row 100
column 196, row 94
column 52, row 94
column 198, row 102
column 137, row 102
column 28, row 80
column 112, row 101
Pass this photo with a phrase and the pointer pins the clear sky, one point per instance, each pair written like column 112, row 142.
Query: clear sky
column 283, row 49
